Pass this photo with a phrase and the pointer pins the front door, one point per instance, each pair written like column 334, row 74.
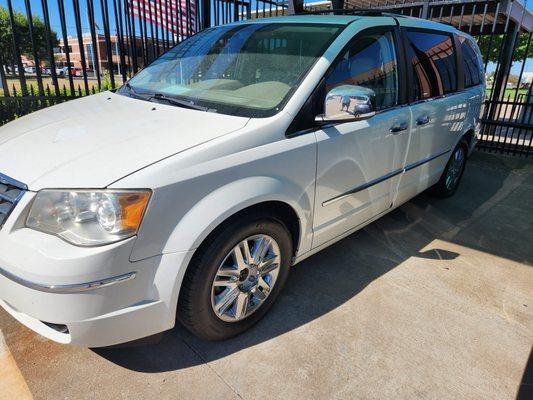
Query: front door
column 359, row 162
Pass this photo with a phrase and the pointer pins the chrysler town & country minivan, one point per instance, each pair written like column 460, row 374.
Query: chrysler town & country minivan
column 187, row 194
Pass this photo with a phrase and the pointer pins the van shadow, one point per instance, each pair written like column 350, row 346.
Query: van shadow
column 332, row 277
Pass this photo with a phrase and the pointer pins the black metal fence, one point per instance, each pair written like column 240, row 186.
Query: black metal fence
column 88, row 46
column 52, row 51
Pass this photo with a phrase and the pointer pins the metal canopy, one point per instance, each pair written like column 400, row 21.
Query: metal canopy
column 475, row 16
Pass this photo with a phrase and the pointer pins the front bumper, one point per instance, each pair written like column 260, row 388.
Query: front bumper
column 98, row 294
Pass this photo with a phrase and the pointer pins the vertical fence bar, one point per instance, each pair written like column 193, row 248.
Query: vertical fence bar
column 494, row 107
column 120, row 38
column 472, row 18
column 35, row 50
column 141, row 12
column 3, row 78
column 529, row 110
column 66, row 47
column 462, row 15
column 133, row 37
column 179, row 18
column 77, row 17
column 167, row 25
column 173, row 20
column 108, row 45
column 503, row 65
column 48, row 35
column 94, row 39
column 16, row 50
column 154, row 54
column 129, row 36
column 157, row 44
column 159, row 25
column 188, row 16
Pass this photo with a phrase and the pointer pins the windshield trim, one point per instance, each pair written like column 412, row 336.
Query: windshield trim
column 242, row 111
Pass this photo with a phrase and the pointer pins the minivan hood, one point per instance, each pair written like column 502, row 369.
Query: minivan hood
column 96, row 140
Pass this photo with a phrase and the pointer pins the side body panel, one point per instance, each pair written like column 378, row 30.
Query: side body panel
column 437, row 125
column 196, row 191
column 359, row 162
column 350, row 157
column 431, row 144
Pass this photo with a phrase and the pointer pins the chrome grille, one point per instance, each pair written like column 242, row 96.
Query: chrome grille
column 11, row 191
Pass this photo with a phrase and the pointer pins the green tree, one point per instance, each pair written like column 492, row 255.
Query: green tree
column 23, row 34
column 496, row 46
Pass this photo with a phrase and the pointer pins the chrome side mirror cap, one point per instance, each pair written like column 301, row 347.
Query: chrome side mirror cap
column 348, row 103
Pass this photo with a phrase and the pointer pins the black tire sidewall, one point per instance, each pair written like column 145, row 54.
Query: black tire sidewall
column 205, row 322
column 440, row 188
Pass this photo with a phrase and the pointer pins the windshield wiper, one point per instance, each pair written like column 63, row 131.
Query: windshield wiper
column 180, row 103
column 133, row 92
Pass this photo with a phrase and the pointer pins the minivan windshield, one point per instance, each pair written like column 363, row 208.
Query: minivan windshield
column 245, row 70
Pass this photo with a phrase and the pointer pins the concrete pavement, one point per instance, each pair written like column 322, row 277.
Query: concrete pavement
column 433, row 301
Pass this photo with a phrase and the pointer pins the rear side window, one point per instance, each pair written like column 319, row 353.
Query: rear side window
column 432, row 57
column 472, row 63
column 370, row 61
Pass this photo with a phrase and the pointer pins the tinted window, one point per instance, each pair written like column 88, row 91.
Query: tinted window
column 432, row 57
column 472, row 63
column 370, row 62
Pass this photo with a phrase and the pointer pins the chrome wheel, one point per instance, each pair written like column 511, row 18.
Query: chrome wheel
column 245, row 278
column 455, row 168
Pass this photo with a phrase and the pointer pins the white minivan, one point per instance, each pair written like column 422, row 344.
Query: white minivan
column 189, row 192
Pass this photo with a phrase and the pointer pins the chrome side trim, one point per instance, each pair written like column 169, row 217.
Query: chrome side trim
column 73, row 288
column 384, row 178
column 363, row 187
column 425, row 160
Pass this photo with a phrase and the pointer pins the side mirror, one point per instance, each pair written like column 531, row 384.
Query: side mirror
column 348, row 103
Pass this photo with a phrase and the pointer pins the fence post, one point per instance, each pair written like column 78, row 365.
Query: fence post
column 425, row 10
column 505, row 64
column 296, row 6
column 206, row 13
column 337, row 4
column 3, row 80
column 16, row 50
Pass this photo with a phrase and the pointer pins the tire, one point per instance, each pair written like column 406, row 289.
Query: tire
column 216, row 258
column 452, row 174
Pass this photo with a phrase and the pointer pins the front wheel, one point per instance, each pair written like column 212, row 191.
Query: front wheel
column 449, row 181
column 235, row 277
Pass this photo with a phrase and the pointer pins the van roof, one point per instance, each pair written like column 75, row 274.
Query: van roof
column 347, row 19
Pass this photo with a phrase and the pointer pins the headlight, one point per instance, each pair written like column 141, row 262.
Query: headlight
column 88, row 217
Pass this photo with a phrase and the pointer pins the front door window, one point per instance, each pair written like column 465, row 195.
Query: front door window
column 370, row 61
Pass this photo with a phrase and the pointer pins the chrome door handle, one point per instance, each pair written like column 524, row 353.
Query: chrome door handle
column 423, row 120
column 398, row 128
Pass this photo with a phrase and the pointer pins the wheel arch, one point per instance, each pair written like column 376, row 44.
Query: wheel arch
column 470, row 136
column 268, row 194
column 274, row 209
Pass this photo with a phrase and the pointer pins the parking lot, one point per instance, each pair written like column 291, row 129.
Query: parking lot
column 432, row 301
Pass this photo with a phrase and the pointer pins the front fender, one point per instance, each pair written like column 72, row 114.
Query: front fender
column 222, row 203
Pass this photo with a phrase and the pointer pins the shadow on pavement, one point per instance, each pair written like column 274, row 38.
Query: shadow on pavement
column 488, row 213
column 525, row 391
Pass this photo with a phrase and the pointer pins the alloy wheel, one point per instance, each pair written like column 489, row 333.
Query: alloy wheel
column 455, row 168
column 245, row 278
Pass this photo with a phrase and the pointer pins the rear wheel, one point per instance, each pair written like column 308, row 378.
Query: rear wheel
column 235, row 277
column 449, row 181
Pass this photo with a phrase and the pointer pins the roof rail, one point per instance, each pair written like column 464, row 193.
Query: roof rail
column 370, row 12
